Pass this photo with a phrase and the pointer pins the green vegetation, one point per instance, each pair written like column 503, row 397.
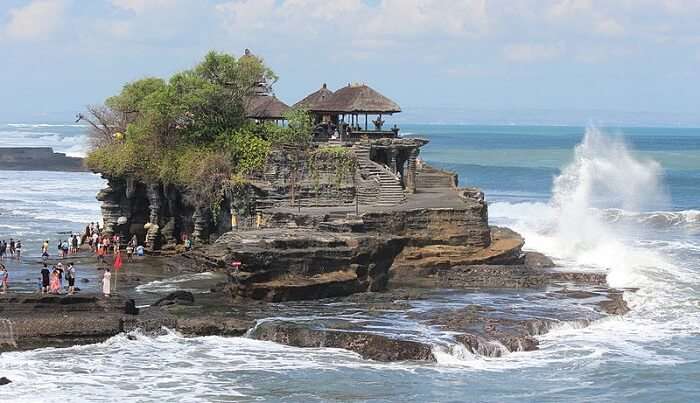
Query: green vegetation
column 340, row 160
column 191, row 129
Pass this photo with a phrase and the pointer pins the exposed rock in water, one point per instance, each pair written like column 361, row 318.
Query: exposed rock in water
column 538, row 260
column 369, row 346
column 214, row 326
column 4, row 381
column 615, row 304
column 176, row 298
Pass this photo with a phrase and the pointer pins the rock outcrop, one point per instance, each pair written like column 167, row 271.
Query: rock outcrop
column 369, row 346
column 310, row 256
column 38, row 159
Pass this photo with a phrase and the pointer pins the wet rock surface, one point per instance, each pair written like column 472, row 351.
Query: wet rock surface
column 369, row 346
column 176, row 298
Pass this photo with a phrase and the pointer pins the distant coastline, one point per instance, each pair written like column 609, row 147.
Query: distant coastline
column 38, row 159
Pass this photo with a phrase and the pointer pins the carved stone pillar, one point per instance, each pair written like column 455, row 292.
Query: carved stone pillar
column 154, row 205
column 393, row 154
column 111, row 205
column 410, row 174
column 202, row 223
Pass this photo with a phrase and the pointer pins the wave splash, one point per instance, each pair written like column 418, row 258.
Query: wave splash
column 608, row 213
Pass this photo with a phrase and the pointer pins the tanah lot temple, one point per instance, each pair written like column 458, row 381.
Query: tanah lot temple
column 353, row 116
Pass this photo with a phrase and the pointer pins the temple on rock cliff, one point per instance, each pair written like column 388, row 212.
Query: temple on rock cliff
column 387, row 172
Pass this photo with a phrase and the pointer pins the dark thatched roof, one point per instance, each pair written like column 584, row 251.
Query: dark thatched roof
column 265, row 107
column 315, row 99
column 358, row 98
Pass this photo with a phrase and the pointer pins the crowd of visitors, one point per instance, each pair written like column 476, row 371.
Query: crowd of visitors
column 51, row 281
column 12, row 249
column 60, row 278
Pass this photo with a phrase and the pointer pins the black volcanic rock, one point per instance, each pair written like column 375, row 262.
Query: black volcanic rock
column 369, row 346
column 176, row 298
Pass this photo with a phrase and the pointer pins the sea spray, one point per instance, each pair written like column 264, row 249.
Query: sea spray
column 606, row 210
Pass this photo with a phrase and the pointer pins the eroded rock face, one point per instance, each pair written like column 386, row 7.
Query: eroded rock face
column 49, row 320
column 280, row 265
column 369, row 346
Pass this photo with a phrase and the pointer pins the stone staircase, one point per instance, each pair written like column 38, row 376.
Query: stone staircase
column 390, row 190
column 429, row 177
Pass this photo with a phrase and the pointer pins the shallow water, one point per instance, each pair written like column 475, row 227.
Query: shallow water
column 651, row 354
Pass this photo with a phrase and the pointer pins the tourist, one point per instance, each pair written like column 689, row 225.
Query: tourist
column 45, row 279
column 4, row 279
column 55, row 283
column 100, row 252
column 115, row 240
column 129, row 252
column 74, row 244
column 60, row 249
column 18, row 249
column 12, row 248
column 45, row 247
column 65, row 247
column 106, row 282
column 70, row 276
column 59, row 268
column 3, row 249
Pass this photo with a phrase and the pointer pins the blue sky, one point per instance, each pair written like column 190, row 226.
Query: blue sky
column 472, row 61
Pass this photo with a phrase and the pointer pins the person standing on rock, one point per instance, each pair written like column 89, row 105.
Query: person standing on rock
column 4, row 279
column 45, row 279
column 55, row 284
column 70, row 276
column 106, row 283
column 74, row 244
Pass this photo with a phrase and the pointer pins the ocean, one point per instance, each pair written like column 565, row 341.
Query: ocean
column 622, row 200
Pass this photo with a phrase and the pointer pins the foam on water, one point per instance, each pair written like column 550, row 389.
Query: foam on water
column 68, row 139
column 579, row 228
column 607, row 213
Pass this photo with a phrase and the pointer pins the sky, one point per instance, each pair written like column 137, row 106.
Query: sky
column 451, row 61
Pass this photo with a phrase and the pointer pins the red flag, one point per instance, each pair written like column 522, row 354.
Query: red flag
column 118, row 261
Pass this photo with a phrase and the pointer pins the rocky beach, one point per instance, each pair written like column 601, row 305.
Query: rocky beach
column 383, row 266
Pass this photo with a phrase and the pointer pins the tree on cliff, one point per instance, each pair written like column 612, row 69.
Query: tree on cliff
column 191, row 129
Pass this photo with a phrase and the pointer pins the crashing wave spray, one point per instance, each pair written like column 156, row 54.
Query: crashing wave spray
column 603, row 174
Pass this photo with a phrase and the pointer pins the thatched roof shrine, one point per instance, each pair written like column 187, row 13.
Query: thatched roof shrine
column 265, row 107
column 357, row 99
column 315, row 99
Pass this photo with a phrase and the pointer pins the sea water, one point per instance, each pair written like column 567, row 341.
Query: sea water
column 623, row 200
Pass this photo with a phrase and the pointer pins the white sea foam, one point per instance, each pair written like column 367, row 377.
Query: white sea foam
column 604, row 185
column 175, row 283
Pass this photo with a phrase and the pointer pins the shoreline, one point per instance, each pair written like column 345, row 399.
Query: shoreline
column 87, row 318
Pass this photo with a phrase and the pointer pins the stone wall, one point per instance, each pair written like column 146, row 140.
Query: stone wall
column 312, row 188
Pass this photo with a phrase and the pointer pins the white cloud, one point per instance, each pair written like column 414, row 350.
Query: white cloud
column 246, row 15
column 35, row 21
column 608, row 26
column 140, row 6
column 531, row 52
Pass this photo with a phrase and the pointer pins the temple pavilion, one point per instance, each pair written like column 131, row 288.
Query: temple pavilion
column 339, row 114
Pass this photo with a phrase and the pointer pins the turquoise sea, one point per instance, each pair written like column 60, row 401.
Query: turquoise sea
column 621, row 200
